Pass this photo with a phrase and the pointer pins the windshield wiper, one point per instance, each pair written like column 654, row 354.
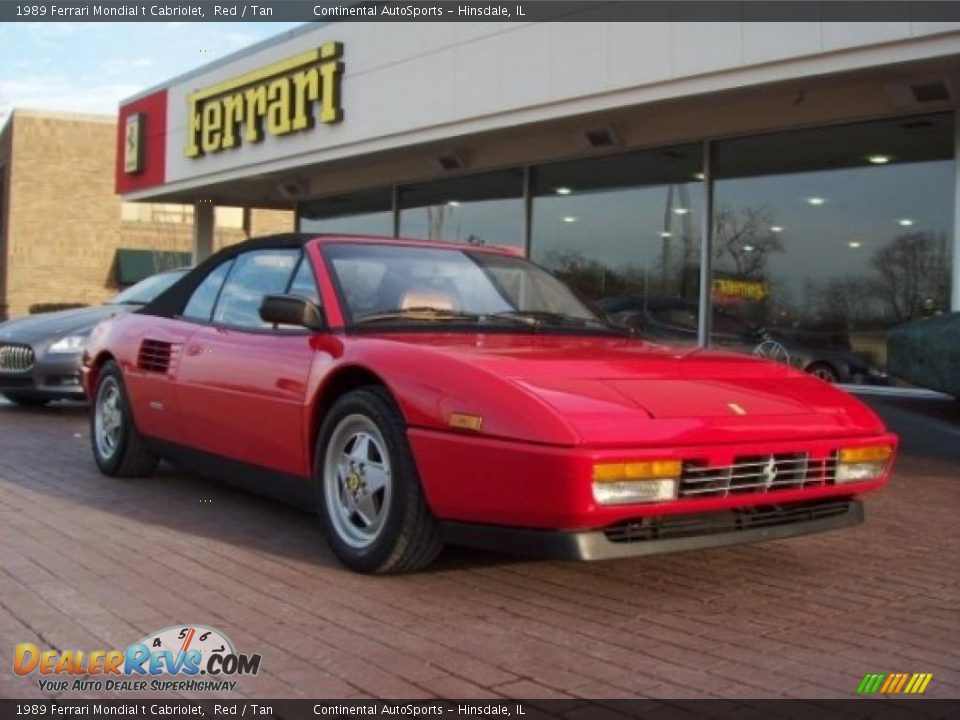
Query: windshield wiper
column 539, row 318
column 416, row 313
column 430, row 314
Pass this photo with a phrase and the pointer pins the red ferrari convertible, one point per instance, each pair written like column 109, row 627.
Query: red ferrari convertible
column 416, row 393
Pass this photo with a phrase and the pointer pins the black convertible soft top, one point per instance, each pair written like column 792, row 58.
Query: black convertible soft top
column 170, row 302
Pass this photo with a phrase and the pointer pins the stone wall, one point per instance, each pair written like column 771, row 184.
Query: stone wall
column 63, row 220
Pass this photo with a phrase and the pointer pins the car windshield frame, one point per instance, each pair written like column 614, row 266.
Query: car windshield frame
column 177, row 275
column 420, row 319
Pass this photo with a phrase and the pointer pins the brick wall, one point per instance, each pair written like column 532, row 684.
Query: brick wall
column 64, row 221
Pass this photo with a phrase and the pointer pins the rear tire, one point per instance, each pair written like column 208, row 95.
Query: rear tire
column 26, row 400
column 368, row 492
column 824, row 372
column 118, row 447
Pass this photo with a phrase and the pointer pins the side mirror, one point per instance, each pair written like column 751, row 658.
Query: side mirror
column 292, row 310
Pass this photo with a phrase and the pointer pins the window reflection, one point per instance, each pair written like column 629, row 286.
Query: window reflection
column 826, row 238
column 624, row 231
column 484, row 209
column 362, row 213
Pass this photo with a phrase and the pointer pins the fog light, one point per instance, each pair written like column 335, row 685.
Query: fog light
column 640, row 481
column 625, row 492
column 863, row 463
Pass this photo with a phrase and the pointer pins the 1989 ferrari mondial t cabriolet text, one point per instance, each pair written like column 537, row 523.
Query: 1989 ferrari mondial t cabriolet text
column 416, row 393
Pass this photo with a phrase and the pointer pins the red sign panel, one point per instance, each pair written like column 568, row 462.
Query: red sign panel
column 142, row 143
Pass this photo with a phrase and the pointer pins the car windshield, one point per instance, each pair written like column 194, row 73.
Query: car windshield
column 147, row 289
column 410, row 285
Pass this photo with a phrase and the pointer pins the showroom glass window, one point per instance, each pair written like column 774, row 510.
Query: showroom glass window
column 624, row 231
column 484, row 209
column 826, row 238
column 363, row 213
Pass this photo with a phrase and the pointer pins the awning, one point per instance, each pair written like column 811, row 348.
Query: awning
column 135, row 265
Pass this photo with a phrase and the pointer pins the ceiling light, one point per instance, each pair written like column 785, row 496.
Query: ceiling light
column 681, row 211
column 563, row 191
column 748, row 248
column 454, row 203
column 568, row 218
column 854, row 244
column 816, row 200
column 666, row 234
column 879, row 159
column 776, row 228
column 906, row 222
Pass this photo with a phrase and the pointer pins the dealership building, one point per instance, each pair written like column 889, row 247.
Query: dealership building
column 704, row 179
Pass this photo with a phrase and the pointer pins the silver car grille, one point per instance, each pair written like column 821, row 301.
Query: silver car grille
column 756, row 474
column 16, row 358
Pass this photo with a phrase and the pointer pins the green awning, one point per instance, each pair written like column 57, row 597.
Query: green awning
column 135, row 265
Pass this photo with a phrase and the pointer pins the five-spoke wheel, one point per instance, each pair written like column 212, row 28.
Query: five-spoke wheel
column 117, row 445
column 367, row 488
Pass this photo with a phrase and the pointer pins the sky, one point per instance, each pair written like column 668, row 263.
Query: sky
column 90, row 67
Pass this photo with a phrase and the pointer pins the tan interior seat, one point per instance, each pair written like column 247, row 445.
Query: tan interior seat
column 423, row 296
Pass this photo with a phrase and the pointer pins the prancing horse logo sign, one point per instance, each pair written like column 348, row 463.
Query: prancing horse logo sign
column 133, row 144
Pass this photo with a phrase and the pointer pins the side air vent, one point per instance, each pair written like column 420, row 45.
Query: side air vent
column 154, row 356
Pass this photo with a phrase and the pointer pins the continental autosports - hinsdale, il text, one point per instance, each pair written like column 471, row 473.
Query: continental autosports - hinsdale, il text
column 410, row 11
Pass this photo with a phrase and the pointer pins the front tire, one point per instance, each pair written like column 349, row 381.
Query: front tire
column 118, row 447
column 368, row 491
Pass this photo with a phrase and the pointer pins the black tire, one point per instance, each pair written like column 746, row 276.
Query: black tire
column 129, row 456
column 824, row 371
column 409, row 538
column 26, row 400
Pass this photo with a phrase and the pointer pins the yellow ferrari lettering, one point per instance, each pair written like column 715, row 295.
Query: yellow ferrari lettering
column 285, row 97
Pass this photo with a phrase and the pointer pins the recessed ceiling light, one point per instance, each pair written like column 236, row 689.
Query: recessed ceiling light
column 816, row 200
column 681, row 211
column 748, row 248
column 906, row 222
column 454, row 203
column 854, row 244
column 879, row 159
column 666, row 234
column 699, row 176
column 563, row 191
column 776, row 228
column 568, row 218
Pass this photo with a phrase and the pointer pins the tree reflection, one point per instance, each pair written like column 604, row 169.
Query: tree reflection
column 916, row 275
column 744, row 237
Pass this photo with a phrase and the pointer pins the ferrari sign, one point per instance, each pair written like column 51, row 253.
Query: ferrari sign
column 286, row 97
column 133, row 144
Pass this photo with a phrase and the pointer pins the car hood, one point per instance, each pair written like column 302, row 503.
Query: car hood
column 614, row 391
column 39, row 328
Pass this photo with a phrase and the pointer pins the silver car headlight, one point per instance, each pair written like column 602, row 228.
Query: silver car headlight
column 68, row 345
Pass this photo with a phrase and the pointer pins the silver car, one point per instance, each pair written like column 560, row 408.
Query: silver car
column 40, row 354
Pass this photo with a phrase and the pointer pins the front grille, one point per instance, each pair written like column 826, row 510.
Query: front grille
column 681, row 526
column 756, row 474
column 16, row 358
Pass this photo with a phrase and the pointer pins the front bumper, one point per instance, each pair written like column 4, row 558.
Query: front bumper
column 651, row 536
column 56, row 377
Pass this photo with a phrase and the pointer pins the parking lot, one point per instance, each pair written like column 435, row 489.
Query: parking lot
column 88, row 562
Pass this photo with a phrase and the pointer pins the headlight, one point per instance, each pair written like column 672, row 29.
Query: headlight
column 863, row 463
column 68, row 344
column 642, row 481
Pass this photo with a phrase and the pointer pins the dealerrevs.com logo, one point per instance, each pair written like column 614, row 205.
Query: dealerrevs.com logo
column 178, row 658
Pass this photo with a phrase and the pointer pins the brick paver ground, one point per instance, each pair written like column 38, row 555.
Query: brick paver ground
column 88, row 562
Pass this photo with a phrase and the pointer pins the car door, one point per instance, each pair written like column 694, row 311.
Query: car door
column 242, row 382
